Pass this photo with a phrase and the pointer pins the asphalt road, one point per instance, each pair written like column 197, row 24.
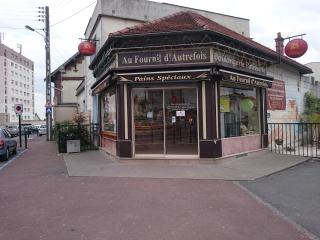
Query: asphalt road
column 295, row 192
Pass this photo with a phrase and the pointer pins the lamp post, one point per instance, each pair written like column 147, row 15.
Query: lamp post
column 48, row 71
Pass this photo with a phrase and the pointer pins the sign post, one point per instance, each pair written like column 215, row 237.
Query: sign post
column 48, row 75
column 20, row 141
column 18, row 108
column 49, row 120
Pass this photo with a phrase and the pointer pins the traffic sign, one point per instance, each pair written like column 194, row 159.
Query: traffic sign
column 18, row 108
column 48, row 109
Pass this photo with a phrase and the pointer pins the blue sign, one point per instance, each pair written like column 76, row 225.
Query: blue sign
column 48, row 109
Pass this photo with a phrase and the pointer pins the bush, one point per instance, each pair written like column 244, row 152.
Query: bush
column 311, row 108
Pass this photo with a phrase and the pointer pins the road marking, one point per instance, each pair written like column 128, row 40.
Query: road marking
column 12, row 159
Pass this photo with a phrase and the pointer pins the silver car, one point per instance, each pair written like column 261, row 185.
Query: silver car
column 7, row 145
column 42, row 130
column 13, row 130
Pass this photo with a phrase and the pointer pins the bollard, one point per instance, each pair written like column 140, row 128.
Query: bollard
column 25, row 140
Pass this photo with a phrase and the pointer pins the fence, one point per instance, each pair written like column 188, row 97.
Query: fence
column 300, row 139
column 88, row 134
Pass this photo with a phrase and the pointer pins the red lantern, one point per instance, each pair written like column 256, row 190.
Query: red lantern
column 87, row 48
column 296, row 48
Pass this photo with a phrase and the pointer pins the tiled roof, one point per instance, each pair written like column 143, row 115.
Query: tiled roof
column 190, row 21
column 186, row 21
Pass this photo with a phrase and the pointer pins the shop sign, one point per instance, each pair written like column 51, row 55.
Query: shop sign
column 164, row 57
column 246, row 80
column 276, row 96
column 239, row 62
column 165, row 77
column 296, row 48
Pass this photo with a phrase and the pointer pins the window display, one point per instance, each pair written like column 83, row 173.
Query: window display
column 239, row 111
column 108, row 111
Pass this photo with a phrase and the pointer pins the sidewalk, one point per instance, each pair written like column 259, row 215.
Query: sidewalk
column 39, row 201
column 250, row 167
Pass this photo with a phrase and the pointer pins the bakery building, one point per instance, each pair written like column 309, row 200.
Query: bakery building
column 182, row 86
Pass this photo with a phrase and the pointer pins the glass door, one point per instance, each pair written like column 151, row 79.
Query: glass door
column 181, row 121
column 176, row 132
column 148, row 121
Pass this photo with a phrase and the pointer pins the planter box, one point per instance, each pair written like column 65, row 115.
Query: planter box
column 73, row 146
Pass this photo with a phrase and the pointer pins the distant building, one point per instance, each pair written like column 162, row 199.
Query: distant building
column 313, row 80
column 16, row 85
column 66, row 79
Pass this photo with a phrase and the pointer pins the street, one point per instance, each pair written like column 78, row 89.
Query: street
column 38, row 200
column 295, row 192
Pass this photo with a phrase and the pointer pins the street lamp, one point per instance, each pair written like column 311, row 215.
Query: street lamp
column 48, row 71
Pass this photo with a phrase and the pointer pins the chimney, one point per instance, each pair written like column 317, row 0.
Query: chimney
column 279, row 44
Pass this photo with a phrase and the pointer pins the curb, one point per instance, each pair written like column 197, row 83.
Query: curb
column 12, row 160
column 296, row 225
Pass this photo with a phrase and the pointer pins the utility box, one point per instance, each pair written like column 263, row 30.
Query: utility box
column 73, row 146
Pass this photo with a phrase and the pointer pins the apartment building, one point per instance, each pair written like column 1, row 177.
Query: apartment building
column 16, row 85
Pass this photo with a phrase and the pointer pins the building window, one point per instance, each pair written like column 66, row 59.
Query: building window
column 108, row 111
column 239, row 111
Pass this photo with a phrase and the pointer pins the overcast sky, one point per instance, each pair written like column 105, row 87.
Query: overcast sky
column 266, row 19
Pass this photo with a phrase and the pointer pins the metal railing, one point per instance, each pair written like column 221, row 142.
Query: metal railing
column 299, row 139
column 88, row 134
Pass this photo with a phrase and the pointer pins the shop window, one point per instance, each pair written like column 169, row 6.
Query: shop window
column 239, row 111
column 108, row 111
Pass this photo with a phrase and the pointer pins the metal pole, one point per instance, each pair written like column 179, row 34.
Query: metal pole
column 20, row 141
column 25, row 139
column 48, row 77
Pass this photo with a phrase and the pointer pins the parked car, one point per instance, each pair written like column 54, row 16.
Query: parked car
column 13, row 130
column 7, row 144
column 42, row 130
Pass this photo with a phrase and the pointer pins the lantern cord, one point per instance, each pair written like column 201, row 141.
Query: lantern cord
column 73, row 14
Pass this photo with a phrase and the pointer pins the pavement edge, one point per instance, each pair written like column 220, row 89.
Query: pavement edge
column 296, row 225
column 12, row 160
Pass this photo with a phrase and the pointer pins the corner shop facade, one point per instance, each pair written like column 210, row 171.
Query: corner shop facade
column 193, row 93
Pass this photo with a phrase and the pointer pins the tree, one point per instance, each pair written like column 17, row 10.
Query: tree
column 311, row 108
